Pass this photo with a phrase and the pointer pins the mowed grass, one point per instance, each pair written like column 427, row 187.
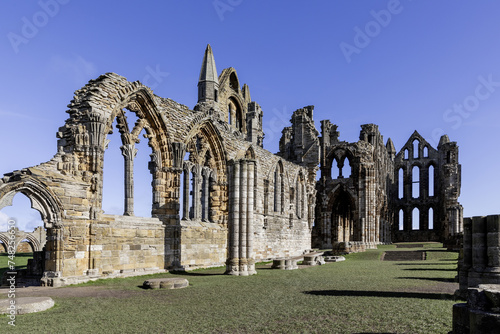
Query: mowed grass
column 20, row 260
column 360, row 295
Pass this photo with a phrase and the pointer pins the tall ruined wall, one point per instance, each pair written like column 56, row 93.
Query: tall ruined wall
column 353, row 190
column 197, row 202
column 425, row 195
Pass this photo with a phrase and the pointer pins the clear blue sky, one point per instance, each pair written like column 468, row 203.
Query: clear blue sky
column 404, row 65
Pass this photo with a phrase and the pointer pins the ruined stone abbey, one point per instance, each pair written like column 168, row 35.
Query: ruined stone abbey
column 219, row 198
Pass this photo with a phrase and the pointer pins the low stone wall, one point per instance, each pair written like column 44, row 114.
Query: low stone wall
column 279, row 239
column 480, row 263
column 113, row 247
column 203, row 245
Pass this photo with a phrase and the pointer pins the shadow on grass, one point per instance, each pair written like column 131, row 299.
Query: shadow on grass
column 437, row 279
column 194, row 273
column 429, row 269
column 384, row 294
column 422, row 264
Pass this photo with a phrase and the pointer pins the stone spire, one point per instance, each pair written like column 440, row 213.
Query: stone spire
column 208, row 83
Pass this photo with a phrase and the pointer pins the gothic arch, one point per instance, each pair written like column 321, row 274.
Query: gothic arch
column 211, row 136
column 344, row 221
column 207, row 158
column 42, row 199
column 51, row 211
column 4, row 240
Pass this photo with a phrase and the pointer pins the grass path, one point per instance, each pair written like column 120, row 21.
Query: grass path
column 360, row 295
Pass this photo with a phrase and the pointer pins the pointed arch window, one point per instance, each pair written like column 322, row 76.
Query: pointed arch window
column 415, row 219
column 415, row 183
column 279, row 192
column 335, row 169
column 401, row 185
column 431, row 218
column 401, row 220
column 431, row 180
column 426, row 152
column 416, row 153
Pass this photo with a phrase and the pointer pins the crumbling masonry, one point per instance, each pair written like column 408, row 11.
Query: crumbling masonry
column 219, row 198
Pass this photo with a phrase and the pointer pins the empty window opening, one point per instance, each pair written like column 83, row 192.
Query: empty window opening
column 415, row 219
column 415, row 183
column 346, row 168
column 426, row 152
column 401, row 220
column 181, row 195
column 335, row 169
column 192, row 195
column 27, row 219
column 406, row 154
column 448, row 157
column 401, row 185
column 143, row 191
column 431, row 219
column 431, row 180
column 113, row 175
column 416, row 144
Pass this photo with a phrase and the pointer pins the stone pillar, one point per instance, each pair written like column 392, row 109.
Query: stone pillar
column 250, row 218
column 481, row 253
column 205, row 194
column 243, row 217
column 493, row 241
column 129, row 152
column 232, row 267
column 197, row 180
column 185, row 196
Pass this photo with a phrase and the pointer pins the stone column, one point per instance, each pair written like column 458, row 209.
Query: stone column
column 205, row 193
column 243, row 217
column 250, row 217
column 185, row 192
column 197, row 179
column 129, row 152
column 234, row 221
column 493, row 241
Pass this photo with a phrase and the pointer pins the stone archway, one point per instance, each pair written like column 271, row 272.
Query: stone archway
column 344, row 226
column 48, row 205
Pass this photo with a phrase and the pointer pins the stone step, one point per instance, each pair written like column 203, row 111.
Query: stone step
column 404, row 256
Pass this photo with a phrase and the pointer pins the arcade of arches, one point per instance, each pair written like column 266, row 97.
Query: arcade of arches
column 219, row 198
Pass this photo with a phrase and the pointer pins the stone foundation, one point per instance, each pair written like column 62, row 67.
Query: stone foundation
column 481, row 313
column 480, row 263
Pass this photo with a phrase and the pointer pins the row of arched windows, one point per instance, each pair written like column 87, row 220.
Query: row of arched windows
column 298, row 194
column 416, row 181
column 416, row 151
column 341, row 168
column 415, row 219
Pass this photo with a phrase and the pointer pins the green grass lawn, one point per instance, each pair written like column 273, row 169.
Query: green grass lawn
column 20, row 259
column 359, row 295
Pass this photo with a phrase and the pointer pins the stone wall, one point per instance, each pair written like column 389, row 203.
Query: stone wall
column 218, row 196
column 480, row 261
